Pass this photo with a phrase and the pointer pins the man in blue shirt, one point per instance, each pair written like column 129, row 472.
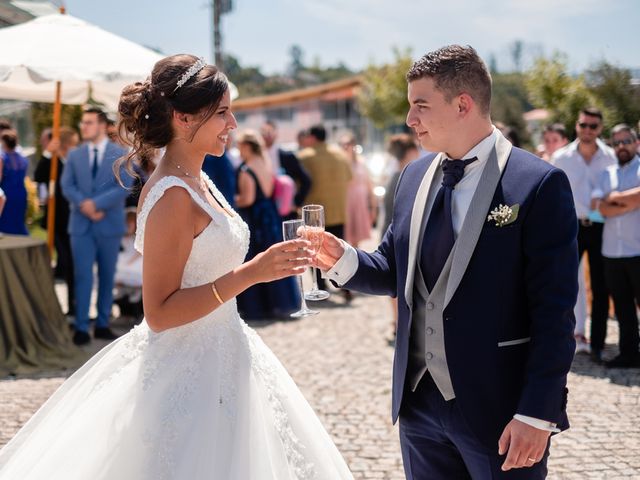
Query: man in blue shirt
column 618, row 199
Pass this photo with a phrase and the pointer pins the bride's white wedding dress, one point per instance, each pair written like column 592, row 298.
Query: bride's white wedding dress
column 207, row 400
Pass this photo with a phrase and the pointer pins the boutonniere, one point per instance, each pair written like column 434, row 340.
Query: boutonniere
column 504, row 215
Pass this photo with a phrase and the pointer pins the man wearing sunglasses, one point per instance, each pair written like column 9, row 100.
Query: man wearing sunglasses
column 584, row 161
column 618, row 199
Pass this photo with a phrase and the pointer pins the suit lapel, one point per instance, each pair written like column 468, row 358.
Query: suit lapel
column 103, row 165
column 84, row 167
column 417, row 214
column 476, row 216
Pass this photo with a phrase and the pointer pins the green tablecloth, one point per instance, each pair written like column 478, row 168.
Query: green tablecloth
column 34, row 335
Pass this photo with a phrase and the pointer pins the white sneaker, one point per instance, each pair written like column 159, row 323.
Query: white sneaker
column 582, row 346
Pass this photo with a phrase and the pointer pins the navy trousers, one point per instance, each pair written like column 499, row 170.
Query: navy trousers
column 437, row 443
column 88, row 249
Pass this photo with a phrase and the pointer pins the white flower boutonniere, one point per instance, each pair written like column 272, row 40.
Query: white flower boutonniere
column 504, row 215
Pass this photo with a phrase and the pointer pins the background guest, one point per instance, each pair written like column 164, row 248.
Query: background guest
column 13, row 170
column 361, row 201
column 330, row 175
column 96, row 220
column 554, row 137
column 257, row 208
column 584, row 161
column 143, row 166
column 404, row 149
column 304, row 139
column 62, row 242
column 221, row 172
column 618, row 199
column 285, row 162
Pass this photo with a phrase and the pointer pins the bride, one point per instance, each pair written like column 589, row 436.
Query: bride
column 192, row 392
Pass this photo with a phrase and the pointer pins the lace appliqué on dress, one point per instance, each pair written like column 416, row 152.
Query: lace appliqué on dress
column 302, row 467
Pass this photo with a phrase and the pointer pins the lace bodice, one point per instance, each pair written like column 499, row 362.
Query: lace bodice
column 219, row 248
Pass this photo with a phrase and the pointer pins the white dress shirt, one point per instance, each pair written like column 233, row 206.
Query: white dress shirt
column 462, row 194
column 583, row 177
column 274, row 155
column 621, row 234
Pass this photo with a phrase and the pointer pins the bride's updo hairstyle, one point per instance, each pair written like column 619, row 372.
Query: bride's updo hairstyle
column 179, row 83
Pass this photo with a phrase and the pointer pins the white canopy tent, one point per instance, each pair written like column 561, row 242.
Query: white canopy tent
column 59, row 58
column 88, row 60
column 62, row 59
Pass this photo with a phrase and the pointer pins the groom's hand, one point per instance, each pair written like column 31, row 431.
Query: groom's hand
column 524, row 445
column 329, row 253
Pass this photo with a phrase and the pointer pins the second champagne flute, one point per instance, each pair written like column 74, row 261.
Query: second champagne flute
column 292, row 229
column 313, row 216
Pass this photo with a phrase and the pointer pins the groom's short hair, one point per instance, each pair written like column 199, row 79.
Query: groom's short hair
column 456, row 69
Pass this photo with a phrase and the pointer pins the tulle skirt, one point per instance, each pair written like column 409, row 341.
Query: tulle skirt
column 204, row 401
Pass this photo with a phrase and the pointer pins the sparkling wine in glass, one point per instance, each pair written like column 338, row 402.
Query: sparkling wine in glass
column 313, row 217
column 292, row 229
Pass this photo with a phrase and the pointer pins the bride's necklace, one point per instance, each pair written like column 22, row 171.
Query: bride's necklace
column 202, row 185
column 199, row 181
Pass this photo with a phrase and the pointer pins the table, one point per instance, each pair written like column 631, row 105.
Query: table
column 34, row 334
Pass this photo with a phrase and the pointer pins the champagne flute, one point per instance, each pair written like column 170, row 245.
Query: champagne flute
column 292, row 229
column 313, row 216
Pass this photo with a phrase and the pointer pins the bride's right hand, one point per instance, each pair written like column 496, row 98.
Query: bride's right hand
column 281, row 260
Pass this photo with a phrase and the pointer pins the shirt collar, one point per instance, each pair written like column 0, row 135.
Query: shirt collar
column 634, row 161
column 101, row 145
column 481, row 150
column 602, row 147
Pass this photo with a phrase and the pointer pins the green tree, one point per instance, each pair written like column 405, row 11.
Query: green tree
column 248, row 80
column 614, row 90
column 551, row 87
column 509, row 100
column 383, row 96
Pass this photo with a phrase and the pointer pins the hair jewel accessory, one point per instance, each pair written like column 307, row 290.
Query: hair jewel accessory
column 193, row 70
column 162, row 94
column 146, row 116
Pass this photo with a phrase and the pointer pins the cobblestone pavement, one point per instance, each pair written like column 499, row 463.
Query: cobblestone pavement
column 341, row 360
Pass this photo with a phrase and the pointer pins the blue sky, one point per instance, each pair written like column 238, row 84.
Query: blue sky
column 357, row 32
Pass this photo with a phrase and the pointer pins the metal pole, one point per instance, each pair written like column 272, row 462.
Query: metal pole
column 217, row 35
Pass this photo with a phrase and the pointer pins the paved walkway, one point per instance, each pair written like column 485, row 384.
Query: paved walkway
column 341, row 360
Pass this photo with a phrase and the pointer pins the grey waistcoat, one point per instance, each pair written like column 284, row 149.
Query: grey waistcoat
column 426, row 345
column 426, row 338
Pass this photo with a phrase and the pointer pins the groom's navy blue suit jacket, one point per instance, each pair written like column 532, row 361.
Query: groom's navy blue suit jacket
column 520, row 282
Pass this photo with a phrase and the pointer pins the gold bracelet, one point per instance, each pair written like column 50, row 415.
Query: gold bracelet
column 215, row 292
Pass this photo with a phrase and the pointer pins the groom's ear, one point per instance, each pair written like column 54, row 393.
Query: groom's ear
column 465, row 104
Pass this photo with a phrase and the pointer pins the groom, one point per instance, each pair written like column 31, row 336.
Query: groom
column 481, row 253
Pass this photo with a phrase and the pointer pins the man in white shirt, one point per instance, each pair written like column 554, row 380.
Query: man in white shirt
column 584, row 161
column 618, row 199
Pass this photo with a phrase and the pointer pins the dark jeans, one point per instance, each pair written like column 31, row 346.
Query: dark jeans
column 338, row 231
column 437, row 443
column 590, row 241
column 623, row 279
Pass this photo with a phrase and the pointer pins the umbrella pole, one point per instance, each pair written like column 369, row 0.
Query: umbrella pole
column 53, row 172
